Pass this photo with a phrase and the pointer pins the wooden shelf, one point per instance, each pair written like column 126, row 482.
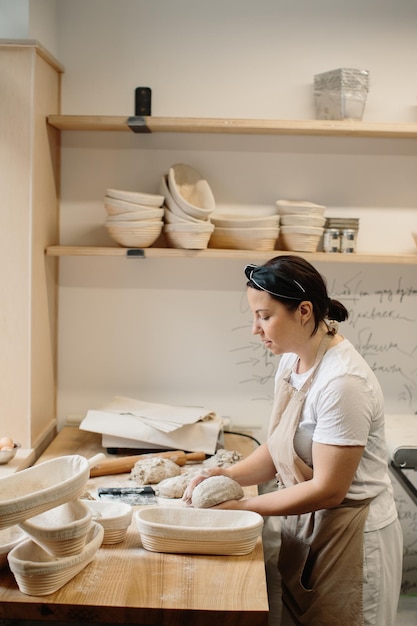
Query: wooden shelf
column 212, row 253
column 150, row 124
column 334, row 128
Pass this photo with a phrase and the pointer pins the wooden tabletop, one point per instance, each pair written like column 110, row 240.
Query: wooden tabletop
column 127, row 584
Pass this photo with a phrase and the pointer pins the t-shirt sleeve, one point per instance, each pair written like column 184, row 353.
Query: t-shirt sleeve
column 344, row 412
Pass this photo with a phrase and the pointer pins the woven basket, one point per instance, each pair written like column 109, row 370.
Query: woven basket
column 61, row 531
column 135, row 234
column 38, row 573
column 115, row 517
column 300, row 239
column 198, row 531
column 244, row 238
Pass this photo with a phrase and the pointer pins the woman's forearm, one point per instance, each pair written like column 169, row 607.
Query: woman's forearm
column 256, row 469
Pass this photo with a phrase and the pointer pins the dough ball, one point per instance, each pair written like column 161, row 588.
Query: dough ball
column 215, row 490
column 223, row 458
column 151, row 471
column 173, row 487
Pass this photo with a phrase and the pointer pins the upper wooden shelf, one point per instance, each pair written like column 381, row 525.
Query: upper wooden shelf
column 216, row 253
column 152, row 124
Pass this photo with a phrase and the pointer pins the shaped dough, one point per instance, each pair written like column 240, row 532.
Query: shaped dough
column 151, row 471
column 173, row 487
column 215, row 490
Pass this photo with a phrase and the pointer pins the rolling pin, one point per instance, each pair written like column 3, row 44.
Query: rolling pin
column 125, row 464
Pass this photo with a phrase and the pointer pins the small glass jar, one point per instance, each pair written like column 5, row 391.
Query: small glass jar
column 331, row 240
column 348, row 241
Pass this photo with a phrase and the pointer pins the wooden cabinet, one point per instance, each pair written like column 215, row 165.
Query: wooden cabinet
column 29, row 158
column 231, row 126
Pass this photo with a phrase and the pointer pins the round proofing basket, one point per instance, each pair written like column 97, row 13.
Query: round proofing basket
column 38, row 573
column 299, row 239
column 198, row 531
column 115, row 517
column 292, row 207
column 137, row 197
column 187, row 240
column 317, row 221
column 136, row 216
column 172, row 218
column 188, row 236
column 191, row 191
column 61, row 531
column 271, row 221
column 36, row 489
column 244, row 238
column 119, row 207
column 137, row 236
column 175, row 210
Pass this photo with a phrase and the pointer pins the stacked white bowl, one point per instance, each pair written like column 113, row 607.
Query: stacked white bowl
column 302, row 225
column 134, row 219
column 189, row 203
column 245, row 228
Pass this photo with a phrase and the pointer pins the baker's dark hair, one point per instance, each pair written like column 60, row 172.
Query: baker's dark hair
column 291, row 279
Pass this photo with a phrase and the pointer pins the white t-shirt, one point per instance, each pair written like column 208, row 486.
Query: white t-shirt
column 345, row 407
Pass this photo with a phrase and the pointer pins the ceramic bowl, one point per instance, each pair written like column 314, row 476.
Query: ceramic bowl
column 136, row 197
column 198, row 531
column 9, row 538
column 191, row 191
column 36, row 489
column 115, row 517
column 38, row 573
column 244, row 238
column 61, row 531
column 8, row 455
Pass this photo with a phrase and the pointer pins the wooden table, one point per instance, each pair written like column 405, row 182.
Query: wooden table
column 127, row 584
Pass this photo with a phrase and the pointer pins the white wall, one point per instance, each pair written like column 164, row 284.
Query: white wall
column 29, row 19
column 162, row 330
column 238, row 59
column 14, row 19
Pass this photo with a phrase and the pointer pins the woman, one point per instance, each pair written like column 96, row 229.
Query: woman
column 341, row 552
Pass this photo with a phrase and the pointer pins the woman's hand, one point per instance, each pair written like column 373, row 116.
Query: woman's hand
column 198, row 478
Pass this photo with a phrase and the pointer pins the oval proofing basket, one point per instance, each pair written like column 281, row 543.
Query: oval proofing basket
column 198, row 531
column 41, row 487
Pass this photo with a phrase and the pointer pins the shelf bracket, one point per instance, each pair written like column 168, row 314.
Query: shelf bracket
column 137, row 123
column 135, row 253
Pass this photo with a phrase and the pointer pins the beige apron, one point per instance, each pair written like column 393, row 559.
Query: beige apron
column 321, row 555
